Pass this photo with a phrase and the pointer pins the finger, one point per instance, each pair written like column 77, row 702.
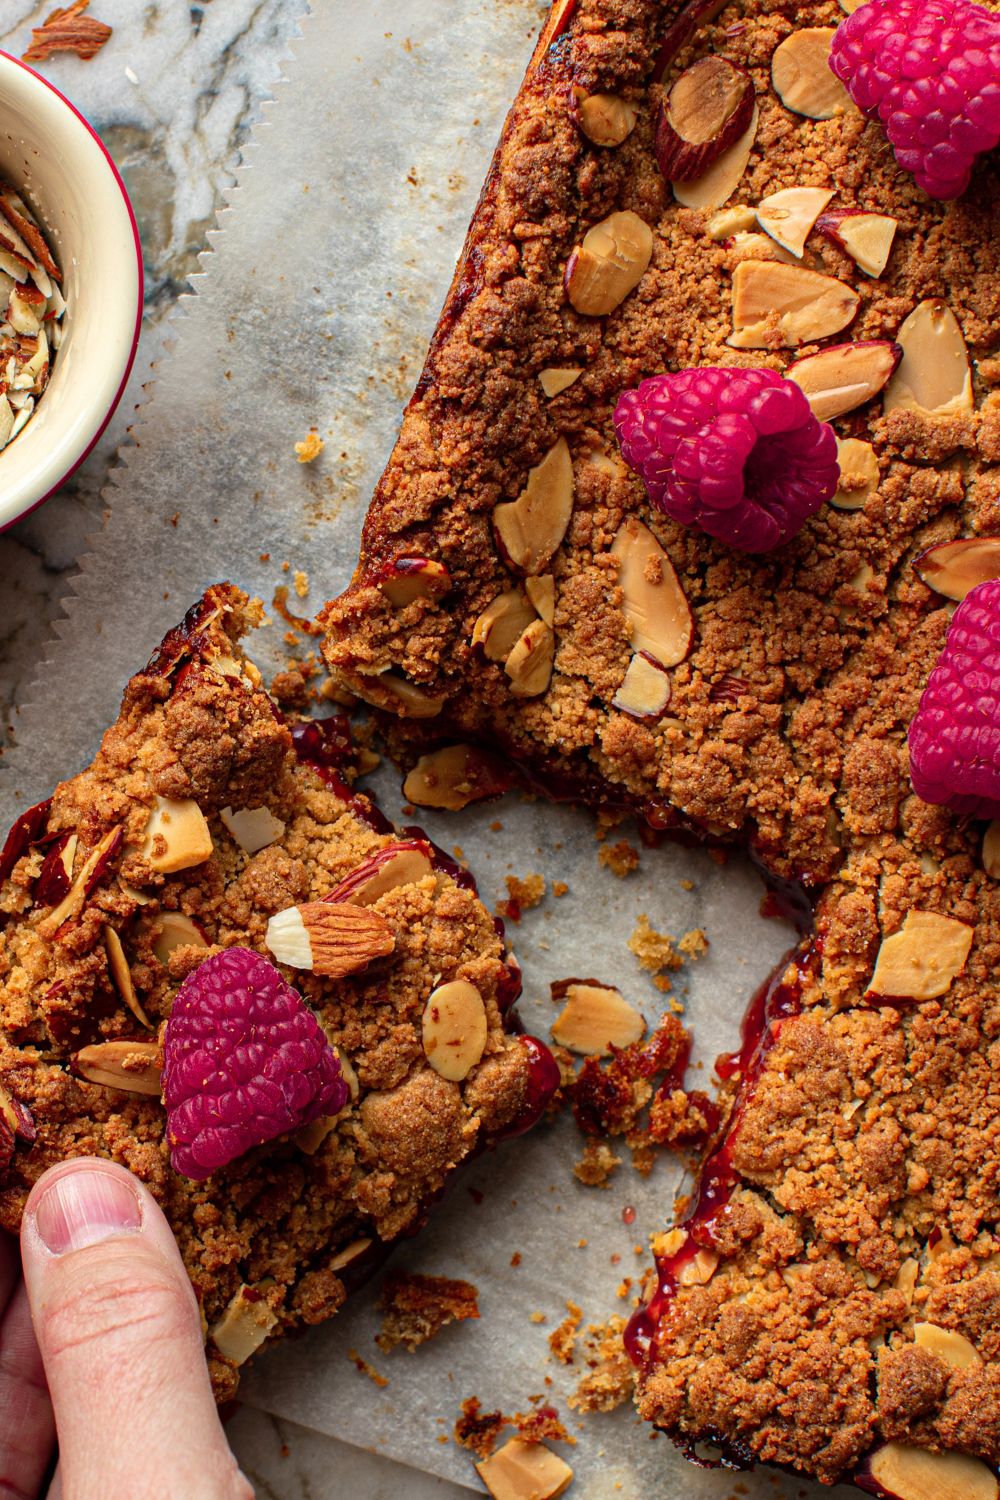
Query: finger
column 118, row 1329
column 27, row 1431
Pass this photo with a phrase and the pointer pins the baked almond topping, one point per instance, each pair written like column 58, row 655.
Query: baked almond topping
column 953, row 568
column 933, row 377
column 699, row 1270
column 800, row 73
column 350, row 1253
column 244, row 1325
column 606, row 119
column 390, row 867
column 530, row 528
column 730, row 221
column 991, row 850
column 714, row 187
column 645, row 690
column 909, row 1473
column 330, row 938
column 133, row 1067
column 412, row 702
column 708, row 108
column 87, row 877
column 596, row 1018
column 609, row 264
column 866, row 237
column 177, row 836
column 453, row 777
column 859, row 474
column 789, row 215
column 558, row 379
column 121, row 976
column 839, row 379
column 502, row 623
column 652, row 598
column 529, row 665
column 410, row 578
column 541, row 590
column 947, row 1345
column 176, row 931
column 253, row 828
column 525, row 1471
column 454, row 1029
column 787, row 305
column 920, row 961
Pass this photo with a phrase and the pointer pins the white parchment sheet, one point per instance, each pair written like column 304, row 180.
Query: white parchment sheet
column 318, row 299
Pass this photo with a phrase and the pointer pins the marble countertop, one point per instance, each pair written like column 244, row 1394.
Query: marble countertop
column 174, row 94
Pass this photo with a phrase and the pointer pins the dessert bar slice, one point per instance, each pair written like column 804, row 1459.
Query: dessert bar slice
column 209, row 912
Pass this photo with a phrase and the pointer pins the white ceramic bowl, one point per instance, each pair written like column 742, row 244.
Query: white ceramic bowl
column 50, row 153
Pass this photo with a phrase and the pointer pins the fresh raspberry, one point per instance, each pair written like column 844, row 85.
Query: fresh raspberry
column 736, row 452
column 244, row 1062
column 955, row 736
column 930, row 71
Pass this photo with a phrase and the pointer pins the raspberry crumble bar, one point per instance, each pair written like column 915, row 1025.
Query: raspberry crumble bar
column 704, row 452
column 210, row 913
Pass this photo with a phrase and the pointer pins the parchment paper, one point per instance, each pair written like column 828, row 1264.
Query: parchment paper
column 323, row 287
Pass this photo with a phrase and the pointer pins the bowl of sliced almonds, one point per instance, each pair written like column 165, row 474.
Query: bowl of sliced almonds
column 70, row 288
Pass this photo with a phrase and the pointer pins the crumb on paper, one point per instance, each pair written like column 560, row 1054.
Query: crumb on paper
column 523, row 894
column 301, row 582
column 478, row 1430
column 687, row 885
column 610, row 1376
column 654, row 950
column 366, row 1369
column 562, row 1340
column 310, row 447
column 559, row 888
column 596, row 1164
column 537, row 1317
column 415, row 1308
column 606, row 820
column 621, row 858
column 693, row 944
column 67, row 30
column 515, row 1259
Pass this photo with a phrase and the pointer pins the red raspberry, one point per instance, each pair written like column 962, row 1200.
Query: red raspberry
column 736, row 452
column 245, row 1061
column 930, row 71
column 955, row 736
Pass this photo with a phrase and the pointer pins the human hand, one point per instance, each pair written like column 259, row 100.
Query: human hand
column 101, row 1350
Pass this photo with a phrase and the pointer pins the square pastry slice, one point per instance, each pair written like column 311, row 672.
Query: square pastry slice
column 224, row 969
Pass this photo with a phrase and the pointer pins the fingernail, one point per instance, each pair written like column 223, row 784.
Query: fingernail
column 84, row 1207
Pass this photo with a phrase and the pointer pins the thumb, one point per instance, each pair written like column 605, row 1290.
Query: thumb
column 119, row 1332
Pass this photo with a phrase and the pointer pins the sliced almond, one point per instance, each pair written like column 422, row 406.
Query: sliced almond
column 133, row 1067
column 652, row 598
column 16, row 1117
column 609, row 264
column 88, row 876
column 789, row 215
column 645, row 689
column 454, row 1029
column 859, row 474
column 908, row 1473
column 409, row 578
column 455, row 776
column 708, row 108
column 920, row 961
column 933, row 376
column 730, row 221
column 253, row 828
column 413, row 702
column 906, row 1278
column 558, row 379
column 502, row 623
column 719, row 183
column 866, row 237
column 596, row 1018
column 699, row 1270
column 310, row 1137
column 838, row 379
column 529, row 665
column 541, row 591
column 757, row 246
column 800, row 73
column 392, row 866
column 953, row 568
column 530, row 528
column 121, row 976
column 177, row 836
column 991, row 850
column 789, row 305
column 332, row 938
column 524, row 1471
column 606, row 119
column 176, row 931
column 947, row 1345
column 244, row 1325
column 349, row 1254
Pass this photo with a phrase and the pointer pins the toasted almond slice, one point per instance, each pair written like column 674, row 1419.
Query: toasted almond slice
column 91, row 872
column 947, row 1345
column 177, row 835
column 541, row 590
column 838, row 379
column 529, row 665
column 244, row 1325
column 389, row 868
column 789, row 215
column 920, row 961
column 908, row 1473
column 953, row 568
column 176, row 931
column 859, row 474
column 645, row 690
column 530, row 528
column 991, row 850
column 850, row 6
column 558, row 379
column 652, row 598
column 524, row 1471
column 253, row 828
column 133, row 1067
column 699, row 1270
column 332, row 938
column 906, row 1278
column 730, row 221
column 413, row 702
column 933, row 376
column 719, row 183
column 502, row 623
column 16, row 1116
column 609, row 264
column 409, row 578
column 800, row 306
column 757, row 246
column 349, row 1254
column 454, row 1029
column 708, row 108
column 310, row 1137
column 606, row 119
column 866, row 237
column 455, row 776
column 596, row 1018
column 121, row 976
column 800, row 73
